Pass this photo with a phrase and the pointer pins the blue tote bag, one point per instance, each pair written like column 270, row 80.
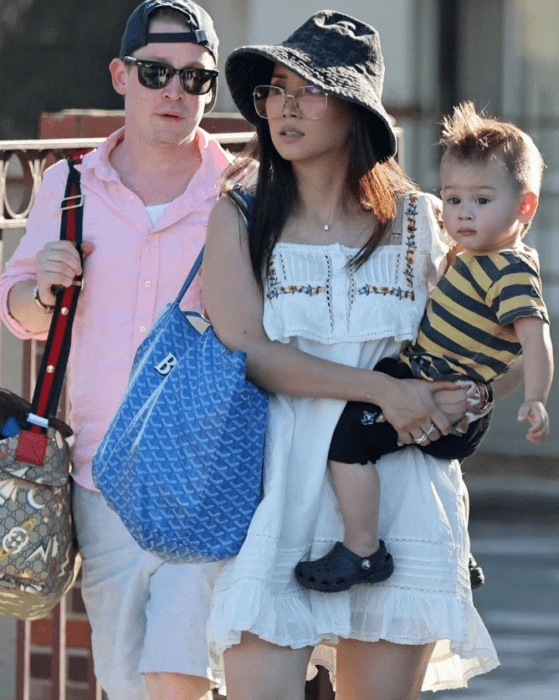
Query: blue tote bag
column 181, row 462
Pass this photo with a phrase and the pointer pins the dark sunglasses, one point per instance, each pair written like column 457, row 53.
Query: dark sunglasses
column 153, row 75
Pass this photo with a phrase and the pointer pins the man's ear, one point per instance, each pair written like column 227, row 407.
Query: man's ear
column 119, row 75
column 210, row 100
column 527, row 208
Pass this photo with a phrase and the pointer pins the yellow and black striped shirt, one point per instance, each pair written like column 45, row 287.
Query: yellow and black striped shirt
column 467, row 329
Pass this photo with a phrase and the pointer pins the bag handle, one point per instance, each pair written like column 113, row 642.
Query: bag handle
column 244, row 203
column 191, row 275
column 242, row 200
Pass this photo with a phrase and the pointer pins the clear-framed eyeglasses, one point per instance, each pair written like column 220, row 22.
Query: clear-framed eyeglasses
column 309, row 101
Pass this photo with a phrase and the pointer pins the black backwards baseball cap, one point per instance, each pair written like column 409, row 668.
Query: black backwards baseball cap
column 137, row 34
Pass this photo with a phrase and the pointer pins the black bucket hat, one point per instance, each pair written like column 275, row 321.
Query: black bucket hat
column 337, row 53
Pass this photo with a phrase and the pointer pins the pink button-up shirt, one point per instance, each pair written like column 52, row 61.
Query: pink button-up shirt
column 134, row 270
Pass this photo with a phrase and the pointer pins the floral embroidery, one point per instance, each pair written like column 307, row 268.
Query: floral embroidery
column 411, row 241
column 439, row 217
column 275, row 289
column 409, row 258
column 393, row 291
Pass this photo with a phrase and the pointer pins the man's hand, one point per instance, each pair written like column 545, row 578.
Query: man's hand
column 57, row 264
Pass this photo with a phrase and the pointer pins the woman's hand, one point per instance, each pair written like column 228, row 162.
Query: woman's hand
column 411, row 409
column 452, row 402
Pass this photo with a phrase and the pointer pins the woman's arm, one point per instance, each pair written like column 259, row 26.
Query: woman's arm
column 233, row 301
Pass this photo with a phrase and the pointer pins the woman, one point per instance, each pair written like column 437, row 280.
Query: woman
column 332, row 275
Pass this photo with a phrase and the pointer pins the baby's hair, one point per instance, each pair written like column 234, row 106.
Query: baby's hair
column 471, row 136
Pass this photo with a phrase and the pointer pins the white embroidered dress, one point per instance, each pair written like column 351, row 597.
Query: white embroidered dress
column 315, row 303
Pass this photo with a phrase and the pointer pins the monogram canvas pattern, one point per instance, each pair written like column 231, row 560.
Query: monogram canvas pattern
column 38, row 562
column 181, row 462
column 54, row 471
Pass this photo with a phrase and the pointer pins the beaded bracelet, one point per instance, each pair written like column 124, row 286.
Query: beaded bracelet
column 47, row 308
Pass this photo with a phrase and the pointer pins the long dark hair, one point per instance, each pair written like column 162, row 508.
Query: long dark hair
column 374, row 187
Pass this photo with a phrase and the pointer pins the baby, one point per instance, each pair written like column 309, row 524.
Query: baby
column 486, row 310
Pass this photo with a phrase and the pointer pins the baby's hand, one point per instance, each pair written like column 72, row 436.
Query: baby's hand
column 535, row 412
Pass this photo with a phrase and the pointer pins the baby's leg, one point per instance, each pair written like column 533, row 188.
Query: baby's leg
column 362, row 557
column 357, row 488
column 477, row 577
column 357, row 443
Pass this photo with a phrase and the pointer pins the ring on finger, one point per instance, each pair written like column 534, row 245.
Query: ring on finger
column 431, row 430
column 421, row 440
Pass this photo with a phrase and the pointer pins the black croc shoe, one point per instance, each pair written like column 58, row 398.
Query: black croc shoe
column 341, row 569
column 477, row 577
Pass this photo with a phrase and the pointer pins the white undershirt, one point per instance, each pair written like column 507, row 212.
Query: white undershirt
column 156, row 211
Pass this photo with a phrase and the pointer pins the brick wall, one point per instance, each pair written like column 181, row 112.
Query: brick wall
column 79, row 671
column 94, row 123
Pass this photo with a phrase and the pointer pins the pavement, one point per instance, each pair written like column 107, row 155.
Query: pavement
column 514, row 530
column 519, row 604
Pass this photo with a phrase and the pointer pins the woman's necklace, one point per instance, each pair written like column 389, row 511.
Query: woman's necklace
column 341, row 213
column 351, row 236
column 327, row 227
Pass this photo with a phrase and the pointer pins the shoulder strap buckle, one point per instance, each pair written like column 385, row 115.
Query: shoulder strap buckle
column 74, row 202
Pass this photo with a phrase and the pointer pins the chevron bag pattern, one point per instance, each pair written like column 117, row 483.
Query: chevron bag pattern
column 181, row 462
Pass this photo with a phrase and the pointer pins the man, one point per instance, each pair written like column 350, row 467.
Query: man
column 148, row 191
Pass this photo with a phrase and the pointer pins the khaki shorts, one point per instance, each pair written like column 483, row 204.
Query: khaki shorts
column 146, row 615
